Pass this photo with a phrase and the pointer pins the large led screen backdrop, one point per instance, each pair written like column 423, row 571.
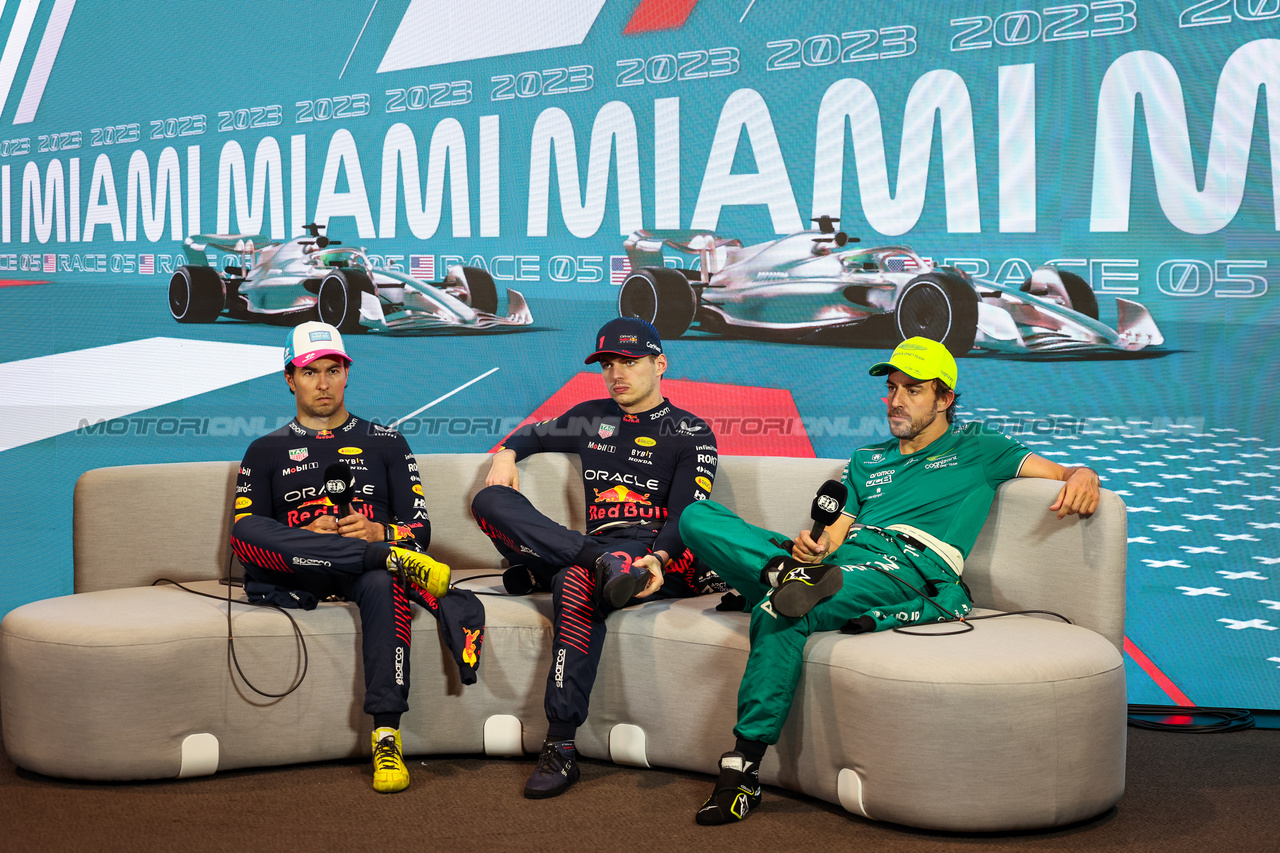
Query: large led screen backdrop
column 1131, row 144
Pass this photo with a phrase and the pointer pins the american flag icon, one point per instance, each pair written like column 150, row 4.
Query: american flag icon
column 619, row 269
column 50, row 263
column 146, row 264
column 422, row 266
column 901, row 263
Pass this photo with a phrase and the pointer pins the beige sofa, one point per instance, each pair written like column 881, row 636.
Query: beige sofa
column 1018, row 724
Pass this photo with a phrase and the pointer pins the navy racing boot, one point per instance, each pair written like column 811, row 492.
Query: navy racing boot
column 556, row 772
column 617, row 581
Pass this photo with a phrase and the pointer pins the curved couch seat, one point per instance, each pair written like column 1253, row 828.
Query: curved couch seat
column 1019, row 724
column 133, row 672
column 892, row 727
column 1012, row 725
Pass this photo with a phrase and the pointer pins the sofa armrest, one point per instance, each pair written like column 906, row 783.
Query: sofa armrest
column 1026, row 559
column 136, row 523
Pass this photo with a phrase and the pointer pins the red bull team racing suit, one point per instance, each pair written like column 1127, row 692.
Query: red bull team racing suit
column 281, row 489
column 639, row 472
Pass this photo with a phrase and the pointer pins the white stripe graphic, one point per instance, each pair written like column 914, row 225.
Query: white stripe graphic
column 14, row 47
column 358, row 37
column 50, row 44
column 443, row 397
column 53, row 394
column 437, row 32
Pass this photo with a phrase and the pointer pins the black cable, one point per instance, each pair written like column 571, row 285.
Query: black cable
column 966, row 620
column 480, row 591
column 1021, row 613
column 231, row 643
column 965, row 628
column 951, row 617
column 1229, row 719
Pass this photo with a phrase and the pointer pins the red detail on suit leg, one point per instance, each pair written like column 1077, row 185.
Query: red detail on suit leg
column 573, row 625
column 495, row 534
column 253, row 555
column 403, row 616
column 682, row 565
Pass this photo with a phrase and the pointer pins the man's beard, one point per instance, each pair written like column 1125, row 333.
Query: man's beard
column 916, row 426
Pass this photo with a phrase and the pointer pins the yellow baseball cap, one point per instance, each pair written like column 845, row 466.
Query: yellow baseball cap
column 921, row 359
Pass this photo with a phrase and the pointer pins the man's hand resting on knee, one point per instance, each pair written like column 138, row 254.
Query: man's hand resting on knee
column 503, row 471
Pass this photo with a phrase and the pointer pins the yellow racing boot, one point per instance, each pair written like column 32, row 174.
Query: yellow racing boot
column 420, row 570
column 389, row 773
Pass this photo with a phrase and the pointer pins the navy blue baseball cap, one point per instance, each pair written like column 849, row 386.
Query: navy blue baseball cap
column 628, row 336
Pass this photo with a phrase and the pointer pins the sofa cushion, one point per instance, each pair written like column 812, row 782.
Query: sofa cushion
column 133, row 672
column 1018, row 724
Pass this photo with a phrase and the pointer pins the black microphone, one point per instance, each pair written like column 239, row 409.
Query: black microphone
column 339, row 483
column 827, row 505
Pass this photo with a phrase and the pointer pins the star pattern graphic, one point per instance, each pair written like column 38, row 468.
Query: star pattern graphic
column 1211, row 507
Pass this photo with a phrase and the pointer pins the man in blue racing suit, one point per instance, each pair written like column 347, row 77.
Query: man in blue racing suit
column 643, row 462
column 290, row 534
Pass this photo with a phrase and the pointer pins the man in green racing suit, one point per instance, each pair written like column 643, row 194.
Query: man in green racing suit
column 920, row 498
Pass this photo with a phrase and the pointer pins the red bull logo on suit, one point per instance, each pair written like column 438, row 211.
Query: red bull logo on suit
column 620, row 503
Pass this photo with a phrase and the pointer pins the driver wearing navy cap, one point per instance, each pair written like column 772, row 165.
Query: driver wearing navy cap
column 643, row 462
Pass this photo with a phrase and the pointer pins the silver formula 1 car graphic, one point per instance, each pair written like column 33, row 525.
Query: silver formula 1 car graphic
column 818, row 286
column 315, row 278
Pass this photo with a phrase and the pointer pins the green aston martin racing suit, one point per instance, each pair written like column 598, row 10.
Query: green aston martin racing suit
column 919, row 515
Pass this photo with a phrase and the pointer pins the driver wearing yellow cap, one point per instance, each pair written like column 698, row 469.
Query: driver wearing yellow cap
column 920, row 499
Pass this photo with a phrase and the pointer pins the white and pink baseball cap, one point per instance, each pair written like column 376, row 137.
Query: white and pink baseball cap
column 313, row 340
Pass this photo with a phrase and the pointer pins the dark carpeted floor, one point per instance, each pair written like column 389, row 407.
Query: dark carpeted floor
column 1184, row 793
